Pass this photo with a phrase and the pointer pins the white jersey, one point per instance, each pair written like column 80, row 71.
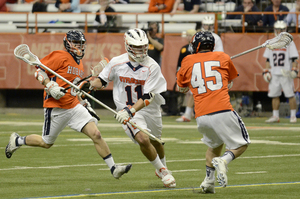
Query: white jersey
column 132, row 80
column 281, row 58
column 218, row 43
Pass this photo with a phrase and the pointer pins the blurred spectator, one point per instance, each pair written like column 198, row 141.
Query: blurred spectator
column 156, row 44
column 68, row 5
column 3, row 7
column 248, row 6
column 291, row 19
column 191, row 6
column 102, row 19
column 162, row 6
column 277, row 7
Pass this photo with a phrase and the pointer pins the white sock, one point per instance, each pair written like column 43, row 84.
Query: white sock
column 21, row 141
column 163, row 161
column 188, row 112
column 228, row 156
column 293, row 113
column 109, row 160
column 157, row 163
column 210, row 173
column 276, row 113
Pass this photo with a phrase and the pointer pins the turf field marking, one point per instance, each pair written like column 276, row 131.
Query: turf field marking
column 163, row 190
column 250, row 172
column 168, row 161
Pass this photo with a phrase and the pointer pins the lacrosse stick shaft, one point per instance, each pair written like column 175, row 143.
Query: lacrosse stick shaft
column 247, row 51
column 100, row 103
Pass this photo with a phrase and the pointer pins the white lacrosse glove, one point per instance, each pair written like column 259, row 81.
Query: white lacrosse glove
column 123, row 116
column 294, row 74
column 267, row 76
column 54, row 90
column 88, row 106
column 183, row 89
column 96, row 70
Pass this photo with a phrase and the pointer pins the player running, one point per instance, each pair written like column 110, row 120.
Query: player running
column 207, row 74
column 64, row 109
column 138, row 82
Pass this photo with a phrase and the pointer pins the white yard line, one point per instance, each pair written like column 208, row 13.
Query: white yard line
column 186, row 160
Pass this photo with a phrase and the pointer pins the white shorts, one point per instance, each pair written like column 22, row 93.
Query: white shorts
column 223, row 128
column 56, row 119
column 280, row 83
column 151, row 123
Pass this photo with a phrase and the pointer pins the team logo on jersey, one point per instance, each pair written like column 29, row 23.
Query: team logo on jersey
column 131, row 80
column 75, row 71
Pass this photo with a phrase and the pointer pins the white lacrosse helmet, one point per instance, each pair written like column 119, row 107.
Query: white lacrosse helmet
column 208, row 24
column 136, row 44
column 279, row 26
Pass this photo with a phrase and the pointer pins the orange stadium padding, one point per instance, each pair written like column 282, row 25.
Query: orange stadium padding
column 16, row 74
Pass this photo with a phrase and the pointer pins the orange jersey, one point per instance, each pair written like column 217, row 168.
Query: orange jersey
column 207, row 75
column 63, row 64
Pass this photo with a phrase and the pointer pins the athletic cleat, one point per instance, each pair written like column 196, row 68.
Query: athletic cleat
column 120, row 170
column 221, row 168
column 208, row 186
column 12, row 146
column 158, row 174
column 183, row 119
column 167, row 178
column 293, row 120
column 273, row 119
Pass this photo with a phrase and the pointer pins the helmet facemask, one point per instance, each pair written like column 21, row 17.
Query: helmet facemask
column 137, row 53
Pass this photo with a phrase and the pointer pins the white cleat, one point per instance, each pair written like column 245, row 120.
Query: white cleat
column 221, row 168
column 11, row 147
column 120, row 170
column 167, row 178
column 183, row 119
column 293, row 120
column 208, row 186
column 273, row 119
column 158, row 174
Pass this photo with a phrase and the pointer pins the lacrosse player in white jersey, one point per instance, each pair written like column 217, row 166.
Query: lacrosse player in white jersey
column 138, row 82
column 281, row 69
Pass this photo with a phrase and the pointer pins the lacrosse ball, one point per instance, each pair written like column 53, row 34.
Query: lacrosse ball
column 26, row 56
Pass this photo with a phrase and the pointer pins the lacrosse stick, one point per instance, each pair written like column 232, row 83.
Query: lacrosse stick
column 85, row 78
column 22, row 52
column 280, row 41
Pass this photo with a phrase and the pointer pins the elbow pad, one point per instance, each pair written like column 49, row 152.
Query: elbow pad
column 148, row 98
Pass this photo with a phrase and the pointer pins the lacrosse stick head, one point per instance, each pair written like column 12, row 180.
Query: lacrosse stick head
column 281, row 41
column 22, row 52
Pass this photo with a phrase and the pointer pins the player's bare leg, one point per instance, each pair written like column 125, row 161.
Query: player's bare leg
column 293, row 109
column 102, row 148
column 36, row 140
column 151, row 154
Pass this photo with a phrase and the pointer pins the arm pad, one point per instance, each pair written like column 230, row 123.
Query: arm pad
column 40, row 75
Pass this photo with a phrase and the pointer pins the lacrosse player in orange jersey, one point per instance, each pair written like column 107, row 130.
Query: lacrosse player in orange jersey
column 279, row 60
column 63, row 108
column 207, row 74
